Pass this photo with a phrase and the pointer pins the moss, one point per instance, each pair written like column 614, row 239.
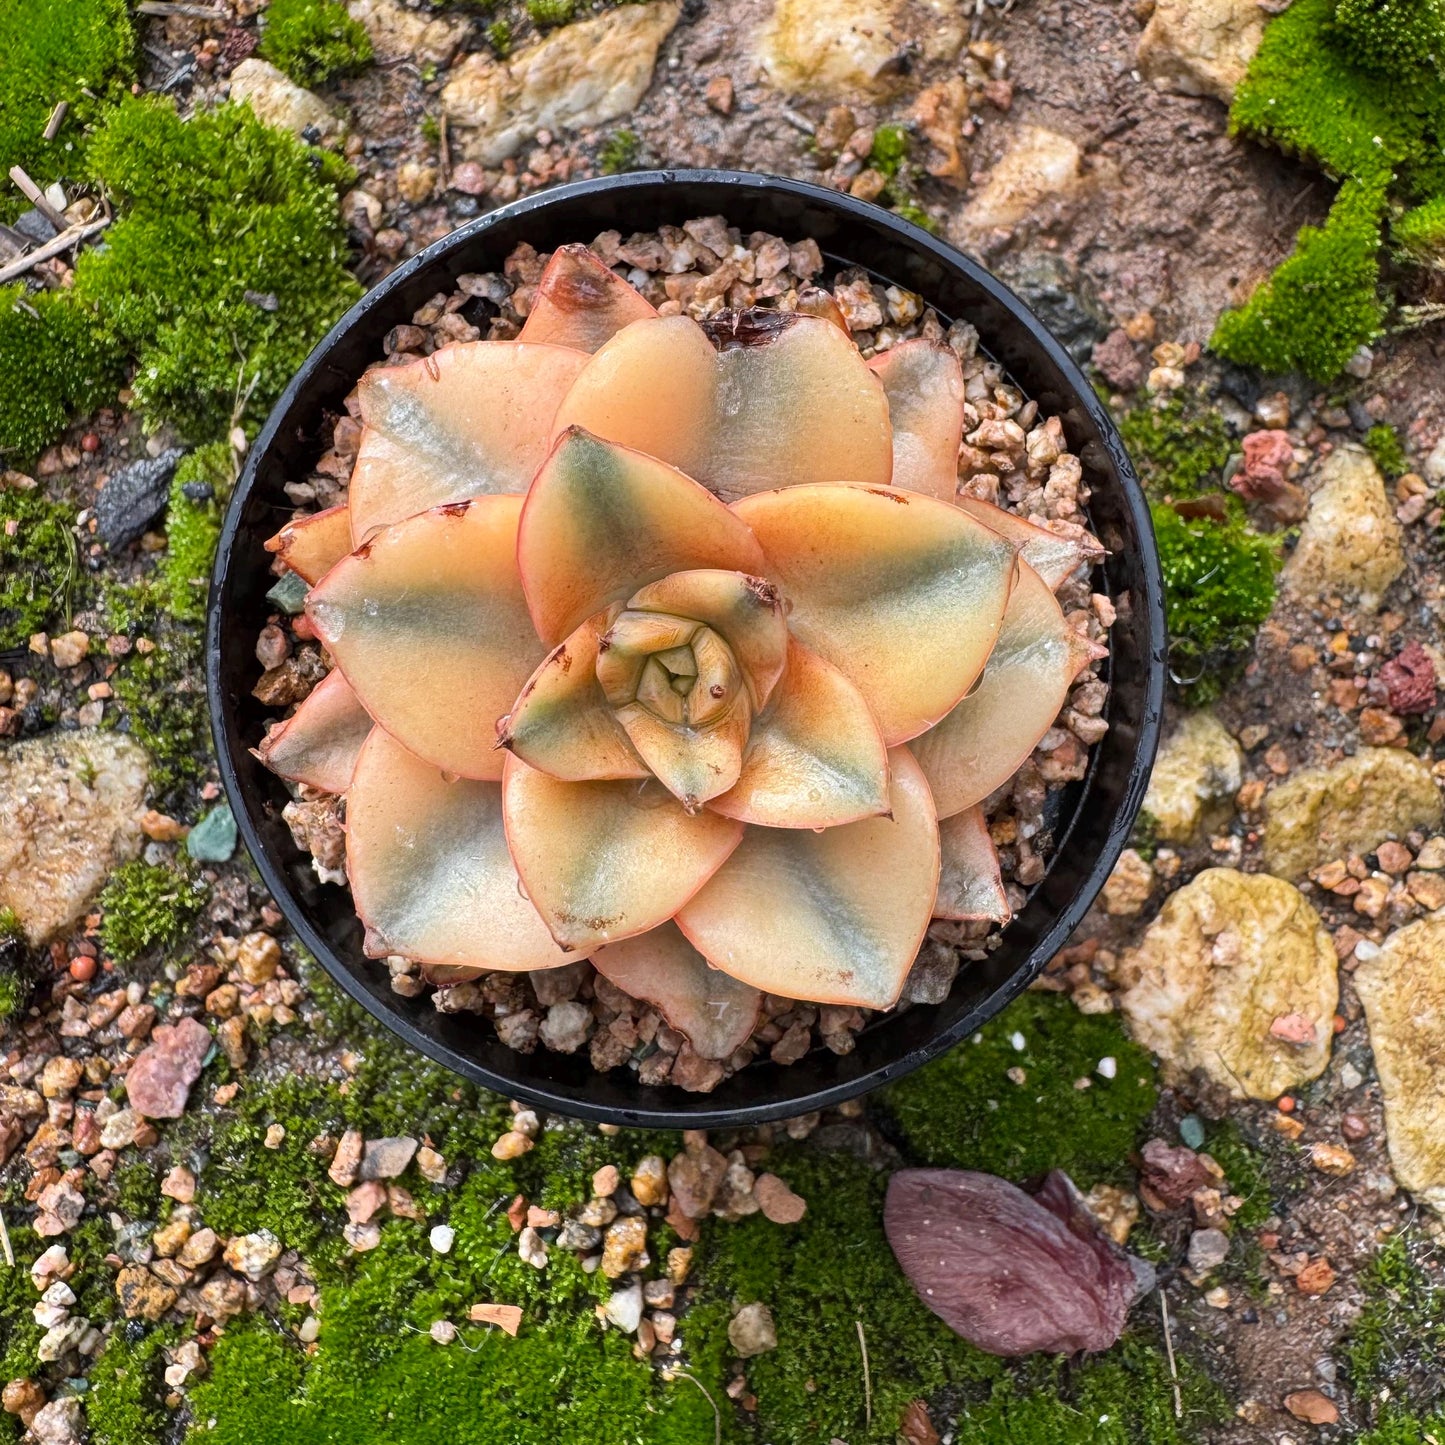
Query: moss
column 136, row 1191
column 1395, row 1347
column 1405, row 1429
column 1246, row 1169
column 963, row 1110
column 127, row 1386
column 1421, row 231
column 1218, row 589
column 1322, row 304
column 56, row 50
column 499, row 37
column 1179, row 446
column 147, row 906
column 620, row 153
column 1391, row 35
column 890, row 149
column 912, row 211
column 314, row 41
column 228, row 262
column 1383, row 444
column 1145, row 838
column 54, row 362
column 547, row 13
column 38, row 564
column 193, row 525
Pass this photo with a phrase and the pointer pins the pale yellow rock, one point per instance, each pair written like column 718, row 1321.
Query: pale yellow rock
column 279, row 101
column 1349, row 545
column 70, row 810
column 1403, row 990
column 1323, row 814
column 1228, row 955
column 1200, row 47
column 401, row 34
column 1039, row 167
column 1127, row 888
column 1198, row 771
column 832, row 51
column 584, row 74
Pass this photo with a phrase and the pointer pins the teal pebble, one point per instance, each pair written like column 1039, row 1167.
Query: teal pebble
column 213, row 839
column 1191, row 1131
column 289, row 594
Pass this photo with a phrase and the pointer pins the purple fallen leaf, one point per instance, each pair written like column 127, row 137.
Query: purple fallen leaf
column 1011, row 1272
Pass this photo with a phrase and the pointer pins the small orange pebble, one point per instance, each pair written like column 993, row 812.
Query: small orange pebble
column 1286, row 1104
column 1339, row 1023
column 82, row 968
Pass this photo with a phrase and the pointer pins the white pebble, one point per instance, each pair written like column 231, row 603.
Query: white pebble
column 1018, row 1041
column 310, row 1328
column 1366, row 949
column 443, row 1236
column 443, row 1331
column 1107, row 1067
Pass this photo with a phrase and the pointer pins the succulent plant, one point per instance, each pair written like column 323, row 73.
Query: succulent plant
column 665, row 644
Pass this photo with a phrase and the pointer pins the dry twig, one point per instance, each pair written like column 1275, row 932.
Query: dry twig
column 72, row 236
column 1169, row 1351
column 36, row 197
column 867, row 1378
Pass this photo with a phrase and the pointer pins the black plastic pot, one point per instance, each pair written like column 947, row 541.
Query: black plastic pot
column 1093, row 824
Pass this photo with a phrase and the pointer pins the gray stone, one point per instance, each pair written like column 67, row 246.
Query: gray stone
column 1208, row 1249
column 624, row 1308
column 386, row 1158
column 134, row 497
column 752, row 1332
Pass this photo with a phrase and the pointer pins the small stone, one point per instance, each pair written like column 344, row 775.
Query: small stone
column 442, row 1237
column 162, row 1075
column 199, row 1249
column 23, row 1398
column 1208, row 1249
column 532, row 1248
column 444, row 1332
column 346, row 1162
column 565, row 1027
column 61, row 1422
column 1200, row 47
column 275, row 1136
column 134, row 497
column 695, row 1177
column 777, row 1201
column 363, row 1202
column 511, row 1145
column 1332, row 1159
column 1191, row 1131
column 1312, row 1406
column 387, row 1158
column 61, row 1339
column 605, row 1181
column 179, row 1184
column 679, row 1264
column 171, row 1237
column 1038, row 169
column 69, row 649
column 60, row 1076
column 1316, row 1277
column 649, row 1180
column 719, row 94
column 659, row 1294
column 415, row 182
column 279, row 101
column 430, row 1165
column 1432, row 855
column 213, row 839
column 623, row 1309
column 624, row 1247
column 258, row 958
column 141, row 1294
column 253, row 1255
column 1128, row 887
column 752, row 1332
column 362, row 1237
column 1199, row 770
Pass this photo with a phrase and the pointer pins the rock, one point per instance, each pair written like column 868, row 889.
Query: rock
column 281, row 102
column 564, row 1029
column 199, row 1249
column 1062, row 297
column 134, row 497
column 1433, row 468
column 253, row 1255
column 752, row 1332
column 832, row 52
column 1349, row 544
column 1314, row 1407
column 213, row 839
column 624, row 1247
column 61, row 1422
column 142, row 1296
column 1323, row 814
column 649, row 1180
column 1208, row 1249
column 695, row 1177
column 163, row 1073
column 777, row 1201
column 1199, row 768
column 624, row 1309
column 346, row 1162
column 506, row 1317
column 1127, row 888
column 1118, row 362
column 442, row 1237
column 581, row 75
column 63, row 1204
column 1200, row 47
column 23, row 1397
column 1332, row 1159
column 1403, row 990
column 401, row 34
column 70, row 808
column 1038, row 167
column 1228, row 954
column 61, row 1339
column 532, row 1248
column 386, row 1158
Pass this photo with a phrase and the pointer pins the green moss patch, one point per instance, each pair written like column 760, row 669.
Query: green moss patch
column 193, row 526
column 314, row 41
column 146, row 907
column 38, row 564
column 78, row 51
column 963, row 1110
column 1383, row 443
column 1180, row 445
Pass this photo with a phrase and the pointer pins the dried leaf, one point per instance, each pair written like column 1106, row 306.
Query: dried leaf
column 916, row 1427
column 1010, row 1272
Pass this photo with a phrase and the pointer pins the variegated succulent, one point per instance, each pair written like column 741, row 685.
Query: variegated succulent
column 670, row 645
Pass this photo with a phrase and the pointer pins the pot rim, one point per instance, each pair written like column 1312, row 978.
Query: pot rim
column 666, row 1111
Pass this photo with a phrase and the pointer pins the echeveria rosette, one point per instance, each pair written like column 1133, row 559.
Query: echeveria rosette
column 665, row 645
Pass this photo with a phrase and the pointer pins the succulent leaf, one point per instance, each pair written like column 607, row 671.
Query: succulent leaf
column 430, row 626
column 430, row 871
column 601, row 521
column 835, row 916
column 1053, row 554
column 924, row 386
column 716, row 1012
column 312, row 546
column 780, row 400
column 970, row 886
column 981, row 744
column 319, row 743
column 471, row 419
column 901, row 592
column 562, row 723
column 581, row 303
column 815, row 758
column 603, row 861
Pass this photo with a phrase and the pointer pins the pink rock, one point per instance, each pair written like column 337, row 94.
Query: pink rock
column 1293, row 1029
column 162, row 1075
